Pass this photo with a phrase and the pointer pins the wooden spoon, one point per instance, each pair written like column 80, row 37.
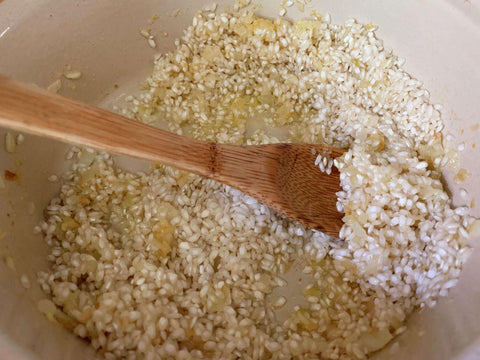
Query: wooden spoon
column 282, row 176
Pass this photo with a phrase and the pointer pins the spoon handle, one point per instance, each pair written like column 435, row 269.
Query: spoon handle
column 31, row 109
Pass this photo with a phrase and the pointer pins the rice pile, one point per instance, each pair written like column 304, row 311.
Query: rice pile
column 168, row 265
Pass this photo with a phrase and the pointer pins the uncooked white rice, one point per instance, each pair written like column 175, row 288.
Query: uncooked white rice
column 165, row 264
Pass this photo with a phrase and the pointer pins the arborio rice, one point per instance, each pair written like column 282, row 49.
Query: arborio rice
column 166, row 264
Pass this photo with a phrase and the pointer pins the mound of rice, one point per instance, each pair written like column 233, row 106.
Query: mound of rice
column 165, row 264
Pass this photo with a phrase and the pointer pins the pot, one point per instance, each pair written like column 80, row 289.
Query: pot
column 42, row 39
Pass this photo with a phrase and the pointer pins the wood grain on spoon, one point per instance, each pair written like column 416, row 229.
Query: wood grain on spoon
column 282, row 176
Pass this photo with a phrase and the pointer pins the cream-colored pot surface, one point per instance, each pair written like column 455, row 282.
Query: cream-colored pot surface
column 440, row 40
